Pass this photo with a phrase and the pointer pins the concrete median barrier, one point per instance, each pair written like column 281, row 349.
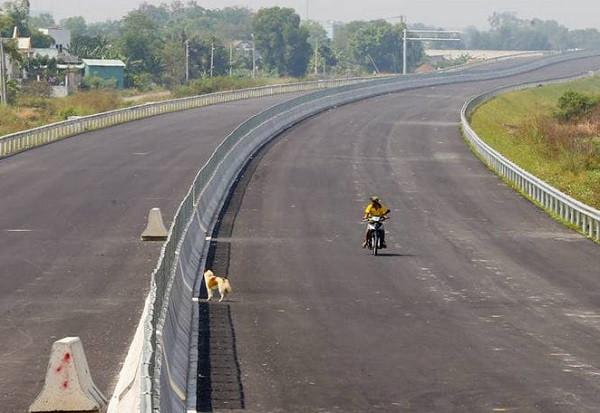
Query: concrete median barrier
column 155, row 230
column 69, row 386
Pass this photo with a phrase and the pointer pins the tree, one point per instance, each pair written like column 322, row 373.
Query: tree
column 40, row 40
column 324, row 59
column 109, row 30
column 200, row 57
column 586, row 39
column 173, row 63
column 508, row 32
column 18, row 16
column 281, row 41
column 76, row 25
column 377, row 46
column 43, row 21
column 92, row 47
column 42, row 67
column 141, row 45
column 346, row 61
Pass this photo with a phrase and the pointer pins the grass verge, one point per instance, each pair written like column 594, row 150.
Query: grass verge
column 522, row 127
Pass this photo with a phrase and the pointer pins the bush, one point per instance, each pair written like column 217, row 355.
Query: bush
column 67, row 112
column 223, row 83
column 96, row 82
column 142, row 82
column 12, row 90
column 573, row 105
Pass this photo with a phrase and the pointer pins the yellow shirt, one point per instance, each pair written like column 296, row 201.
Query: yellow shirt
column 373, row 211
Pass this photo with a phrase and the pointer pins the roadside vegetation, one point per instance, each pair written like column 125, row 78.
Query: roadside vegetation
column 32, row 110
column 35, row 107
column 552, row 132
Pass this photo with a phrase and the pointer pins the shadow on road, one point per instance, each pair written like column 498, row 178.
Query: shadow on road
column 393, row 254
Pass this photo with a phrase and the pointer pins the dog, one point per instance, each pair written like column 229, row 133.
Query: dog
column 213, row 282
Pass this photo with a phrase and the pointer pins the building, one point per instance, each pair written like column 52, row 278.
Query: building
column 105, row 69
column 24, row 45
column 62, row 37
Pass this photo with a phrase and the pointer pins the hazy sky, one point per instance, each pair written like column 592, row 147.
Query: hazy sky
column 575, row 14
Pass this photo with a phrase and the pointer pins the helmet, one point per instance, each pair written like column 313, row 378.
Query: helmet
column 375, row 199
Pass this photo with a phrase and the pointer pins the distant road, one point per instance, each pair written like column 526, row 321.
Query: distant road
column 71, row 262
column 481, row 303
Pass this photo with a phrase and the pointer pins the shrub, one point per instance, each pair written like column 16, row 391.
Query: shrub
column 573, row 105
column 67, row 112
column 222, row 83
column 12, row 90
column 96, row 82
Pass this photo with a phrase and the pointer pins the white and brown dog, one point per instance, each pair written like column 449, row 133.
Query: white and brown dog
column 216, row 283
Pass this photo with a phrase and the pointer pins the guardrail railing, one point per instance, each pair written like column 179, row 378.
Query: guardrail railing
column 585, row 218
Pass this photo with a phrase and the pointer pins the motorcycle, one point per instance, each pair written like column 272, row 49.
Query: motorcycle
column 375, row 225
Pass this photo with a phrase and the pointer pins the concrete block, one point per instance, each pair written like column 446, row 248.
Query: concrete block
column 69, row 386
column 155, row 230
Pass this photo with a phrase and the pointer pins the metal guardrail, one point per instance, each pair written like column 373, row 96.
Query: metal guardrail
column 585, row 218
column 24, row 140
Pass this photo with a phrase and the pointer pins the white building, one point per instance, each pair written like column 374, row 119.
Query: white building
column 62, row 37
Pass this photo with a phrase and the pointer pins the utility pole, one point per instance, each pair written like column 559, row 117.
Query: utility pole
column 404, row 52
column 187, row 61
column 3, row 98
column 253, row 56
column 231, row 58
column 316, row 56
column 212, row 58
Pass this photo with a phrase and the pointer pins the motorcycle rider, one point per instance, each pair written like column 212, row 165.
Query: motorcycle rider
column 376, row 208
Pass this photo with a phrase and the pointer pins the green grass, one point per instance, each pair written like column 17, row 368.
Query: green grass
column 520, row 126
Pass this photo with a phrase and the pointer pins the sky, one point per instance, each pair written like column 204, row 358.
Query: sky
column 449, row 14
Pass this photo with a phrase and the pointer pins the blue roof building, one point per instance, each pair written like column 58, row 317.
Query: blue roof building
column 105, row 69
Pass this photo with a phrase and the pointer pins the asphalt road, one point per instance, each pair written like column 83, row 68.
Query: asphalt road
column 71, row 261
column 481, row 303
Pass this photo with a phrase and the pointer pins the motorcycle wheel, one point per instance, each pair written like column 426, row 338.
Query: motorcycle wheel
column 375, row 242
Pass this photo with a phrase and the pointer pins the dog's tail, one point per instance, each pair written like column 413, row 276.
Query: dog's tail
column 226, row 286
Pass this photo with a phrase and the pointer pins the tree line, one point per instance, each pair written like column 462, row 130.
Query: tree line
column 509, row 32
column 156, row 42
column 153, row 41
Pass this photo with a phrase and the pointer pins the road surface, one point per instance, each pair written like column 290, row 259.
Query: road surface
column 71, row 259
column 481, row 303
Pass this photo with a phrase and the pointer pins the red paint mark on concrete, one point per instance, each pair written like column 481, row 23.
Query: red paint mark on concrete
column 65, row 384
column 64, row 361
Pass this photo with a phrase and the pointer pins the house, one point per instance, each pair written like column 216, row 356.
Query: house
column 62, row 37
column 24, row 45
column 105, row 69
